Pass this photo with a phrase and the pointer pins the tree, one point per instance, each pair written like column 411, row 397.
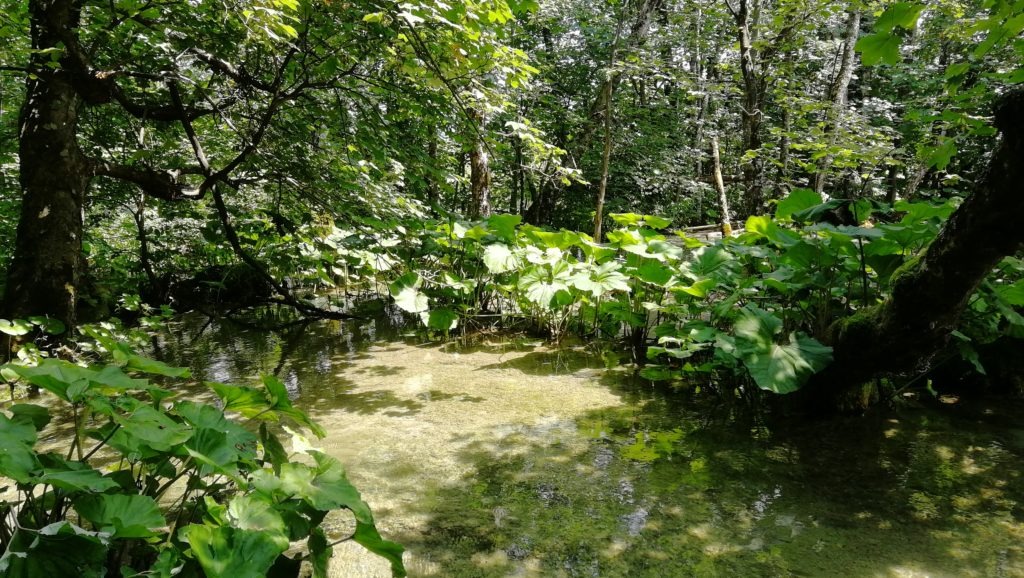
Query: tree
column 216, row 85
column 930, row 292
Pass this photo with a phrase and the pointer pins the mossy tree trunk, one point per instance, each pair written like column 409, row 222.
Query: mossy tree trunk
column 930, row 292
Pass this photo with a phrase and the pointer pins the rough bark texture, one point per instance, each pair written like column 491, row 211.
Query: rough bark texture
column 606, row 154
column 754, row 91
column 54, row 174
column 479, row 175
column 837, row 96
column 931, row 291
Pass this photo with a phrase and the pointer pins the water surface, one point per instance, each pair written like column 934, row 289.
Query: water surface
column 510, row 458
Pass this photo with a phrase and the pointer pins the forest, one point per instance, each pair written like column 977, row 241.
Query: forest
column 564, row 288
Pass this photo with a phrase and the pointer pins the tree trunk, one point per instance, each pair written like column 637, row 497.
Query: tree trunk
column 605, row 159
column 837, row 96
column 782, row 177
column 479, row 173
column 432, row 185
column 723, row 200
column 54, row 178
column 931, row 291
column 752, row 112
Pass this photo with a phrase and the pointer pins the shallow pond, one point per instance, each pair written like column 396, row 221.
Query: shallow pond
column 513, row 459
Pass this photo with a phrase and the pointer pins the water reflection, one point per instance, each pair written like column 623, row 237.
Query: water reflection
column 508, row 459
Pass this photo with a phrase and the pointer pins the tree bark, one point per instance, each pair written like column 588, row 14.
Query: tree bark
column 479, row 174
column 432, row 185
column 606, row 154
column 930, row 292
column 54, row 177
column 837, row 95
column 723, row 200
column 753, row 104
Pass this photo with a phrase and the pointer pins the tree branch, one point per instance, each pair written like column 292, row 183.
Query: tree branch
column 160, row 184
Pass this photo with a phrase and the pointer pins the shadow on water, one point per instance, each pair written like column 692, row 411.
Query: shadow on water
column 642, row 481
column 918, row 493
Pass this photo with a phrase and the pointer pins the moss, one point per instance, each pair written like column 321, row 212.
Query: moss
column 908, row 269
column 860, row 325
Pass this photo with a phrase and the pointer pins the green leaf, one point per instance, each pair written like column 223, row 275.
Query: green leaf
column 699, row 289
column 1012, row 294
column 320, row 552
column 709, row 259
column 405, row 292
column 441, row 319
column 225, row 552
column 256, row 512
column 504, row 226
column 411, row 300
column 272, row 448
column 923, row 211
column 49, row 325
column 765, row 227
column 779, row 368
column 654, row 272
column 281, row 403
column 17, row 327
column 81, row 480
column 56, row 376
column 123, row 515
column 245, row 400
column 29, row 414
column 798, row 200
column 57, row 550
column 942, row 154
column 600, row 279
column 17, row 459
column 634, row 220
column 368, row 537
column 882, row 47
column 543, row 283
column 899, row 14
column 147, row 427
column 499, row 258
column 152, row 366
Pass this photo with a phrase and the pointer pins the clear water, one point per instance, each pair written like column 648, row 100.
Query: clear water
column 513, row 459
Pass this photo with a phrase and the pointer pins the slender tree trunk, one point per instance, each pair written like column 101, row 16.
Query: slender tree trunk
column 837, row 96
column 605, row 159
column 782, row 178
column 139, row 215
column 698, row 71
column 479, row 173
column 723, row 200
column 753, row 103
column 931, row 291
column 893, row 182
column 432, row 188
column 54, row 178
column 518, row 190
column 638, row 31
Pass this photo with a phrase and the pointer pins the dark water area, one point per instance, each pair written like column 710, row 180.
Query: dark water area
column 512, row 458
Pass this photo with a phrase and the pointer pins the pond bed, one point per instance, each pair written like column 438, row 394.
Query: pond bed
column 514, row 459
